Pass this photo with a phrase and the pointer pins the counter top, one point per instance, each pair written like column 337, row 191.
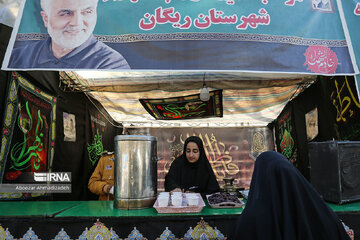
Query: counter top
column 58, row 209
column 92, row 209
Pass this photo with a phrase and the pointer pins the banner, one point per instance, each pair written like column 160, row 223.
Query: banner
column 350, row 17
column 28, row 136
column 345, row 107
column 100, row 133
column 285, row 134
column 95, row 145
column 291, row 36
column 185, row 107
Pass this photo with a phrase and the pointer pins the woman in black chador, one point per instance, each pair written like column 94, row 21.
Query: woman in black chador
column 282, row 205
column 192, row 172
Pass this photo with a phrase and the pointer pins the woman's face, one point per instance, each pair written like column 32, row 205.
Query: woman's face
column 192, row 152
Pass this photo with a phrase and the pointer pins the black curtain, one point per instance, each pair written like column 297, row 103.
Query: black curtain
column 312, row 98
column 324, row 96
column 342, row 97
column 5, row 33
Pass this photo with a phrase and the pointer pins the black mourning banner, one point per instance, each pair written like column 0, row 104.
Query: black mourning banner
column 345, row 106
column 185, row 107
column 28, row 135
column 285, row 134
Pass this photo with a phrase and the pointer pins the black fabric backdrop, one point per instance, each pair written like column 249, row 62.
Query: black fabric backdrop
column 5, row 33
column 73, row 156
column 314, row 96
column 342, row 96
column 319, row 95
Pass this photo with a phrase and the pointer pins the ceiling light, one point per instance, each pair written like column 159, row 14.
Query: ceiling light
column 204, row 92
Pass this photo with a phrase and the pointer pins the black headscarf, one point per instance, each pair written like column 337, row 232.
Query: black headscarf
column 183, row 174
column 282, row 205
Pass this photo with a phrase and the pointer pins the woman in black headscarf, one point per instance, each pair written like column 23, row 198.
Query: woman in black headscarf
column 192, row 172
column 282, row 204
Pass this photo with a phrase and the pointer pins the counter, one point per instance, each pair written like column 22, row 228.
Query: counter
column 47, row 219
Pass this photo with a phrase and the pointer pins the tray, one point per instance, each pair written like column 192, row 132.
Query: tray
column 184, row 208
column 225, row 204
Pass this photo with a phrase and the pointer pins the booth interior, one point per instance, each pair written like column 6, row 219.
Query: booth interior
column 318, row 130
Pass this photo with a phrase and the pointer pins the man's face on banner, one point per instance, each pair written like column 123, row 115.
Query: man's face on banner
column 69, row 22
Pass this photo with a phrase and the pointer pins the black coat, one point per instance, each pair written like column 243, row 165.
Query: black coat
column 183, row 174
column 283, row 205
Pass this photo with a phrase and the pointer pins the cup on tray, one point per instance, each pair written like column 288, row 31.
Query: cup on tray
column 176, row 193
column 163, row 200
column 192, row 199
column 176, row 199
column 164, row 194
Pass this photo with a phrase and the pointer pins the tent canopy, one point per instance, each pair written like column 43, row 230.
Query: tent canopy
column 248, row 99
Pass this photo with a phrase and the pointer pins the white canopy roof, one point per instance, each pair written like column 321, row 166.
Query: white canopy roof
column 249, row 99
